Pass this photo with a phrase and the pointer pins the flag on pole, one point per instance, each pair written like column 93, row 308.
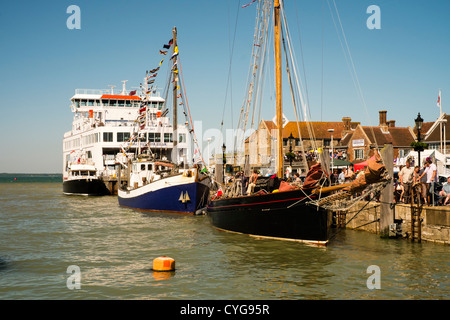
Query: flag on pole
column 439, row 99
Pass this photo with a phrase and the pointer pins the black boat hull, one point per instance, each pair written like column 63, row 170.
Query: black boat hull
column 88, row 187
column 281, row 215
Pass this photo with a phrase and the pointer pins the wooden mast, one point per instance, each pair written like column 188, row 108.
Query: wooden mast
column 175, row 102
column 277, row 43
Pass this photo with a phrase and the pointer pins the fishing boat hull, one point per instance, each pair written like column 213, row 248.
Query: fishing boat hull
column 281, row 215
column 85, row 186
column 173, row 194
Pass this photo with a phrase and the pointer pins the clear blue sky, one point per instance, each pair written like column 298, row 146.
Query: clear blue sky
column 400, row 66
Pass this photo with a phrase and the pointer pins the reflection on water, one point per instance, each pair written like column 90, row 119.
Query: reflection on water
column 43, row 232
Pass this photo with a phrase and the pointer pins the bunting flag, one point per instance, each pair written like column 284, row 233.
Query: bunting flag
column 154, row 70
column 166, row 46
column 174, row 55
column 246, row 5
column 132, row 93
column 163, row 52
column 197, row 156
column 161, row 62
column 170, row 42
column 152, row 76
column 150, row 81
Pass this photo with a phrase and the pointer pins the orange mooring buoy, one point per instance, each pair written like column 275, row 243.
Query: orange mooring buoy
column 163, row 264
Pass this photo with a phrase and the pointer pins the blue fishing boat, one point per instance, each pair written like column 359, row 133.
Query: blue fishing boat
column 159, row 183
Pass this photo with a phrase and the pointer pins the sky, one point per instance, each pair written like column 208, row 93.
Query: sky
column 400, row 67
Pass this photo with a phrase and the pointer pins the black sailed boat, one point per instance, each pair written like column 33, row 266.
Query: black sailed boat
column 276, row 210
column 282, row 215
column 281, row 210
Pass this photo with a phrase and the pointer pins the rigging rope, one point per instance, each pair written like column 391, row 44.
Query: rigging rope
column 351, row 65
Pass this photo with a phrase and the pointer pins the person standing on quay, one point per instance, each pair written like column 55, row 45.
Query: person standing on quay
column 406, row 179
column 431, row 174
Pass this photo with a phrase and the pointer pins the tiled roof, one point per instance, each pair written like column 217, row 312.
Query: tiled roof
column 397, row 136
column 320, row 129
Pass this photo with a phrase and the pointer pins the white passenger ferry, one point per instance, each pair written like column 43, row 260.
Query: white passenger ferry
column 103, row 124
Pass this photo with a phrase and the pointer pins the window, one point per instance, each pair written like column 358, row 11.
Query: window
column 113, row 103
column 77, row 103
column 168, row 137
column 123, row 136
column 149, row 167
column 107, row 137
column 359, row 153
column 121, row 103
column 105, row 102
column 142, row 167
column 83, row 102
column 128, row 103
column 154, row 137
column 182, row 137
column 90, row 103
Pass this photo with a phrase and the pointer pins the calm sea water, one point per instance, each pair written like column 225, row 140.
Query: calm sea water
column 43, row 232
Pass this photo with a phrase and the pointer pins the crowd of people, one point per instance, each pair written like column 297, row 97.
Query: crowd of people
column 426, row 179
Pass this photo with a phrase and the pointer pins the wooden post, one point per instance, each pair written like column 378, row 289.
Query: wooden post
column 387, row 195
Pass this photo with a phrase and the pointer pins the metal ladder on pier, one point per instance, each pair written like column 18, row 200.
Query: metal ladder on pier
column 416, row 213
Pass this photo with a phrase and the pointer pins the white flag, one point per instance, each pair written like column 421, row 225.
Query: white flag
column 439, row 99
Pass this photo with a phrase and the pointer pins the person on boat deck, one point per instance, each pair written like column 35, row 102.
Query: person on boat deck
column 334, row 177
column 252, row 181
column 244, row 181
column 341, row 177
column 349, row 175
column 297, row 178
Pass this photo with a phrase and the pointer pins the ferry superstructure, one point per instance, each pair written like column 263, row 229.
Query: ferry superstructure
column 104, row 122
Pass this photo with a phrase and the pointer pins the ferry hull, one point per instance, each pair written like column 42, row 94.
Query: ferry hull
column 166, row 199
column 282, row 215
column 89, row 187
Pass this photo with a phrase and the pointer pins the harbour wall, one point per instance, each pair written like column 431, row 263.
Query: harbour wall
column 435, row 220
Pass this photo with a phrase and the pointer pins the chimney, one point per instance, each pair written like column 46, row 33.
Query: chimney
column 346, row 121
column 391, row 123
column 383, row 118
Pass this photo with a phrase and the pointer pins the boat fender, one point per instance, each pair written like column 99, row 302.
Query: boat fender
column 163, row 264
column 276, row 190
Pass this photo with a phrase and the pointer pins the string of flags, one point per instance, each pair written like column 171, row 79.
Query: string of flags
column 246, row 5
